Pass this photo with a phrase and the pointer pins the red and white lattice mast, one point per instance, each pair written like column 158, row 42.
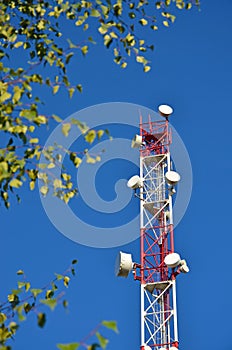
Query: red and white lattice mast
column 159, row 266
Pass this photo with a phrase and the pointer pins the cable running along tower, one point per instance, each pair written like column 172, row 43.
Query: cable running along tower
column 159, row 265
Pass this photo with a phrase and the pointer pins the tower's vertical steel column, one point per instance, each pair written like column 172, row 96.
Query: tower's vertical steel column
column 158, row 289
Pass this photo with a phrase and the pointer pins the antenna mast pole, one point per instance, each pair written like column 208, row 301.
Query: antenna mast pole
column 159, row 264
column 159, row 329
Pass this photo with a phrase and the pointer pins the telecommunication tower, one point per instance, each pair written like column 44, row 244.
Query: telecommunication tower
column 160, row 264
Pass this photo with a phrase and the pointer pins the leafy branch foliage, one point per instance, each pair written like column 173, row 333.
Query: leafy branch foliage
column 33, row 30
column 25, row 300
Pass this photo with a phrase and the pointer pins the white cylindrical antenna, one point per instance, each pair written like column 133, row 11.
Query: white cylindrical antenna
column 137, row 141
column 123, row 265
column 172, row 177
column 184, row 268
column 172, row 260
column 165, row 110
column 135, row 182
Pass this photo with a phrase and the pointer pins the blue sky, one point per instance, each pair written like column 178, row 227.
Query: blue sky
column 191, row 71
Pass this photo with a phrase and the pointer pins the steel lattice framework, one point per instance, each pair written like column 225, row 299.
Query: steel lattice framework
column 158, row 282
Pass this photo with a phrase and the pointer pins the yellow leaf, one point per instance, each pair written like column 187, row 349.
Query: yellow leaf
column 143, row 22
column 141, row 59
column 32, row 185
column 146, row 69
column 103, row 30
column 66, row 177
column 77, row 161
column 51, row 166
column 55, row 89
column 18, row 44
column 165, row 23
column 15, row 183
column 154, row 27
column 90, row 137
column 95, row 13
column 41, row 119
column 66, row 281
column 180, row 5
column 5, row 96
column 84, row 49
column 100, row 133
column 35, row 140
column 44, row 190
column 123, row 65
column 57, row 183
column 90, row 160
column 113, row 35
column 31, row 128
column 66, row 128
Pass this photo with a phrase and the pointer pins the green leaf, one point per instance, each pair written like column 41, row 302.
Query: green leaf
column 95, row 13
column 111, row 325
column 71, row 92
column 44, row 190
column 36, row 291
column 59, row 277
column 74, row 262
column 103, row 29
column 65, row 304
column 140, row 59
column 68, row 57
column 70, row 346
column 79, row 87
column 15, row 183
column 93, row 346
column 20, row 272
column 90, row 160
column 66, row 128
column 21, row 284
column 41, row 319
column 56, row 118
column 17, row 94
column 3, row 318
column 51, row 303
column 27, row 286
column 102, row 340
column 5, row 96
